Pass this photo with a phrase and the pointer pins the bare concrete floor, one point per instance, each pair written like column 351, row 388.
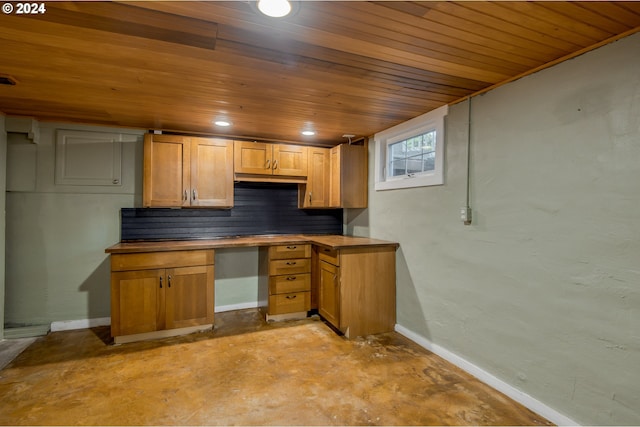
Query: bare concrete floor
column 246, row 372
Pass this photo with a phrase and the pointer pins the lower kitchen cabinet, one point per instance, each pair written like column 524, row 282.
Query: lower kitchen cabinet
column 284, row 283
column 357, row 289
column 329, row 292
column 159, row 294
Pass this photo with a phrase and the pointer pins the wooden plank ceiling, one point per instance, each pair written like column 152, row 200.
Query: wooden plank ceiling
column 336, row 67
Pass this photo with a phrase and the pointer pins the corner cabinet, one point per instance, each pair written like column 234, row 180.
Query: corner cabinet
column 160, row 294
column 337, row 178
column 183, row 171
column 256, row 161
column 357, row 288
column 348, row 181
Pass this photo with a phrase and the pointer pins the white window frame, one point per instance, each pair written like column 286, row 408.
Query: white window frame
column 433, row 120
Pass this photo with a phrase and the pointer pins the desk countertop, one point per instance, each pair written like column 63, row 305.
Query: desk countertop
column 331, row 241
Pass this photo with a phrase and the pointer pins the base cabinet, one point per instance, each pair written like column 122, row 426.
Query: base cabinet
column 357, row 289
column 161, row 294
column 329, row 293
column 285, row 281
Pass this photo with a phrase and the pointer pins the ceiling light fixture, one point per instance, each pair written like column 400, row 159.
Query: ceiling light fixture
column 222, row 123
column 308, row 133
column 274, row 8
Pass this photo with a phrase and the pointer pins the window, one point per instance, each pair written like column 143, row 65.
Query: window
column 411, row 154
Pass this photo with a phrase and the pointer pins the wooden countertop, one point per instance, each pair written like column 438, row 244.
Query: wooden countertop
column 331, row 241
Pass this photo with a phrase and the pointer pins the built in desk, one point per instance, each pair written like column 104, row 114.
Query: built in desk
column 166, row 288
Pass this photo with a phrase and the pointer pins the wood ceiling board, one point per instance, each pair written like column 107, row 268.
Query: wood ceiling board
column 345, row 67
column 539, row 16
column 464, row 32
column 419, row 40
column 597, row 19
column 239, row 15
column 621, row 13
column 130, row 21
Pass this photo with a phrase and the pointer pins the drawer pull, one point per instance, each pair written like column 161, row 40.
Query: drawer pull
column 291, row 296
column 291, row 263
column 169, row 281
column 161, row 283
column 291, row 278
column 292, row 247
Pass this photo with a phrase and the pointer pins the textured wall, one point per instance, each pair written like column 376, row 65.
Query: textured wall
column 543, row 290
column 56, row 234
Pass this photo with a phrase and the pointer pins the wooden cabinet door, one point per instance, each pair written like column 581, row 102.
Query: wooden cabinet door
column 335, row 190
column 316, row 191
column 190, row 296
column 167, row 171
column 348, row 180
column 137, row 302
column 211, row 172
column 289, row 160
column 329, row 293
column 252, row 157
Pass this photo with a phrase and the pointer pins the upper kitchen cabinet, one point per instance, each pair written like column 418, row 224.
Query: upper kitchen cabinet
column 183, row 171
column 315, row 193
column 259, row 161
column 348, row 176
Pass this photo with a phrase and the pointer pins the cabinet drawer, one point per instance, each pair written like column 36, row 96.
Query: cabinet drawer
column 289, row 266
column 169, row 259
column 289, row 283
column 289, row 251
column 289, row 303
column 329, row 255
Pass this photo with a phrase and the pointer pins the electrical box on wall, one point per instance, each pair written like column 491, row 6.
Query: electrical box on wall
column 465, row 215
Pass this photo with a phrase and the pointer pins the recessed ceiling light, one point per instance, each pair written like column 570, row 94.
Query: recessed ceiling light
column 308, row 133
column 274, row 8
column 222, row 123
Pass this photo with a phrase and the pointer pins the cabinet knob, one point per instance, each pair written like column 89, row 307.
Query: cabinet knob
column 291, row 278
column 195, row 194
column 169, row 281
column 292, row 247
column 275, row 164
column 268, row 164
column 291, row 296
column 160, row 282
column 186, row 195
column 291, row 263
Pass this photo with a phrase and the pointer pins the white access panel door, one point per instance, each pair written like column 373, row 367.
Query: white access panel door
column 88, row 158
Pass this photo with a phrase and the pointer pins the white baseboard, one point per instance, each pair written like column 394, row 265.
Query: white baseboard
column 231, row 307
column 69, row 325
column 489, row 379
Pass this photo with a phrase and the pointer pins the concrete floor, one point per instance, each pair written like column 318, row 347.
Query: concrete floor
column 246, row 372
column 10, row 349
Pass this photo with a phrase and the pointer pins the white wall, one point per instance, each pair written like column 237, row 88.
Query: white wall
column 56, row 236
column 543, row 289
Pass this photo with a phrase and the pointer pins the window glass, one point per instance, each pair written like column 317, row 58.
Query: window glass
column 414, row 155
column 411, row 154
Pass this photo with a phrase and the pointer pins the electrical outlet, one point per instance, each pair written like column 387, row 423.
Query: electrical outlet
column 465, row 215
